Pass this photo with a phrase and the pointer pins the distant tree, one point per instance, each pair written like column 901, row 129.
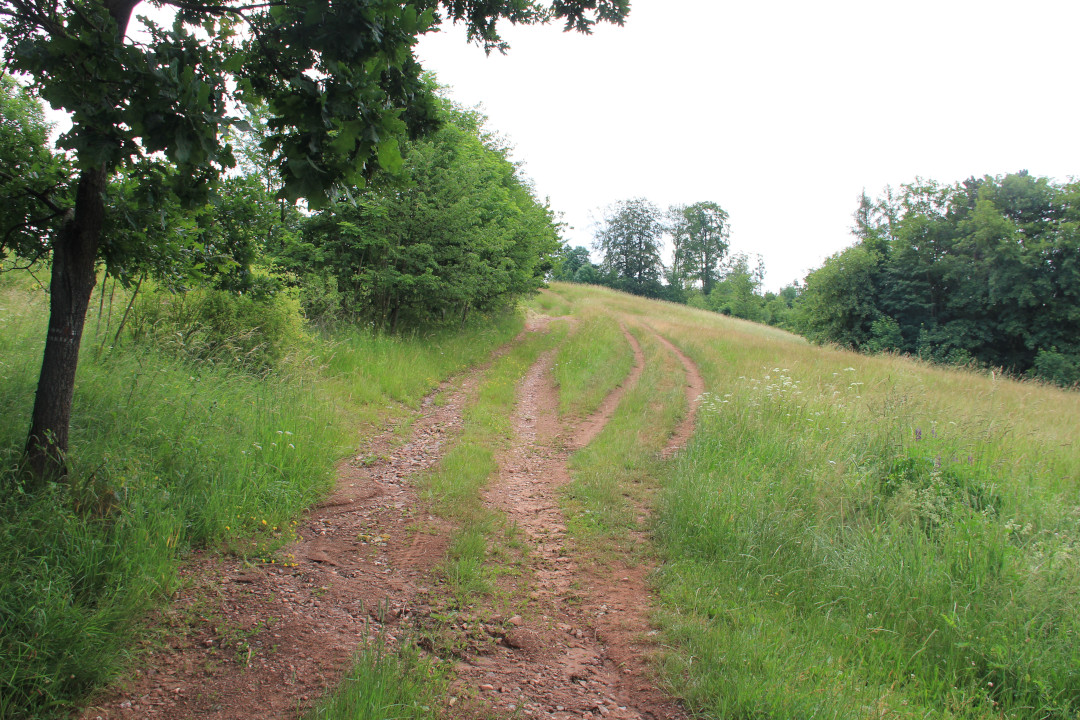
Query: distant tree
column 839, row 303
column 736, row 293
column 700, row 235
column 340, row 80
column 780, row 307
column 570, row 259
column 630, row 238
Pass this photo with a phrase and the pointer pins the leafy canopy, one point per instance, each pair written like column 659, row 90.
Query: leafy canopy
column 340, row 79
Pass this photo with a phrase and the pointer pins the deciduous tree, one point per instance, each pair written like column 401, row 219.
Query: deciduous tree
column 700, row 234
column 340, row 81
column 630, row 239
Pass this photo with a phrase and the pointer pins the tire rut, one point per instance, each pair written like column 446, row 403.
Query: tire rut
column 581, row 651
column 267, row 641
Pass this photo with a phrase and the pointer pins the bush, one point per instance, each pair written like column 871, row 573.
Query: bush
column 1056, row 367
column 220, row 326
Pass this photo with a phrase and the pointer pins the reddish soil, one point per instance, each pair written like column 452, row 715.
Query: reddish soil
column 266, row 641
column 582, row 648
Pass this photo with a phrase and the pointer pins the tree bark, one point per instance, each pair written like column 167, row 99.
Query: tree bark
column 73, row 280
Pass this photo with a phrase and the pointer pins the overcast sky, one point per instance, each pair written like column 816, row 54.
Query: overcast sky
column 781, row 112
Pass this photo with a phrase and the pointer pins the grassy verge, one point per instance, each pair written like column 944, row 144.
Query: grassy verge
column 171, row 450
column 849, row 536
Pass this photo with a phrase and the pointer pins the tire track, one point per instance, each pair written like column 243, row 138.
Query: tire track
column 695, row 388
column 563, row 660
column 267, row 641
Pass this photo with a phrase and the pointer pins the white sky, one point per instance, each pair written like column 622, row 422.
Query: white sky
column 782, row 112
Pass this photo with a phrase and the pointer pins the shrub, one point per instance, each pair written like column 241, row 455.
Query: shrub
column 251, row 333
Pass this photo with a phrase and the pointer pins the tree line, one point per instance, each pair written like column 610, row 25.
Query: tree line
column 703, row 272
column 985, row 272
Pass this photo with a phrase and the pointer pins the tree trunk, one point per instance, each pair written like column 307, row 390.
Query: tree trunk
column 73, row 278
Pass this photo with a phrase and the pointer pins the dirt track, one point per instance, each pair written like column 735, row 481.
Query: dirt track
column 262, row 642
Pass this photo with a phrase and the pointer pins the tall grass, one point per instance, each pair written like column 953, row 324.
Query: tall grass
column 169, row 452
column 591, row 363
column 849, row 535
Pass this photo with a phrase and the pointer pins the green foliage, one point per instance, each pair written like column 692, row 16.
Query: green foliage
column 630, row 239
column 984, row 271
column 736, row 293
column 33, row 181
column 1057, row 367
column 339, row 87
column 573, row 264
column 700, row 233
column 837, row 304
column 221, row 326
column 459, row 230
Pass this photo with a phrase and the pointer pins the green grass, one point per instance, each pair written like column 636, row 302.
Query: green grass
column 617, row 470
column 591, row 364
column 168, row 453
column 851, row 535
column 386, row 684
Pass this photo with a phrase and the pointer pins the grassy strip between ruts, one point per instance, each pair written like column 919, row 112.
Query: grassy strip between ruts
column 169, row 453
column 616, row 472
column 400, row 683
column 850, row 536
column 591, row 363
column 454, row 487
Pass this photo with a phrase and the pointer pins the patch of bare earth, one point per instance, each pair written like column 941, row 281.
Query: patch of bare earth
column 266, row 641
column 582, row 648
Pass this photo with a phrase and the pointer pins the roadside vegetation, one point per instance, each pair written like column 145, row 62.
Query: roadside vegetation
column 175, row 447
column 850, row 535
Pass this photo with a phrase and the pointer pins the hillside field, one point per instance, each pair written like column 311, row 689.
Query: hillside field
column 841, row 536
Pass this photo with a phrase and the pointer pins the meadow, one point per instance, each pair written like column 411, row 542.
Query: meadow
column 852, row 535
column 844, row 535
